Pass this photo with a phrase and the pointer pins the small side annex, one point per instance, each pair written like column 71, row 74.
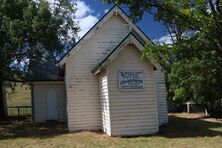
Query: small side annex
column 48, row 91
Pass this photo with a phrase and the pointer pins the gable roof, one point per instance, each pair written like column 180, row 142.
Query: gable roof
column 129, row 39
column 115, row 9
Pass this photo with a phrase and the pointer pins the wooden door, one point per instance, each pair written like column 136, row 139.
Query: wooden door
column 52, row 105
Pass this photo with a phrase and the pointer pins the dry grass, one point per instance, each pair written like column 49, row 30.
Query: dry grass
column 20, row 97
column 183, row 131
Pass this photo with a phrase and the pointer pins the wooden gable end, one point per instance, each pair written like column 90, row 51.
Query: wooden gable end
column 116, row 10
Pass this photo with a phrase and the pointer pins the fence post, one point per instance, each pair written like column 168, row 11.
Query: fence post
column 18, row 111
column 188, row 107
column 206, row 112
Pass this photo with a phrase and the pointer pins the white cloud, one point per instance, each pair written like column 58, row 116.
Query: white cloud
column 85, row 17
column 208, row 9
column 83, row 9
column 164, row 39
column 106, row 10
column 86, row 23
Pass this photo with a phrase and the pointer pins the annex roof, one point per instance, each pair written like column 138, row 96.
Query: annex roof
column 42, row 70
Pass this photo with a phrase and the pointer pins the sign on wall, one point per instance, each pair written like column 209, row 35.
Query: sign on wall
column 131, row 80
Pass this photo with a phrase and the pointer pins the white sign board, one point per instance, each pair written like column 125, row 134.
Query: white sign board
column 131, row 80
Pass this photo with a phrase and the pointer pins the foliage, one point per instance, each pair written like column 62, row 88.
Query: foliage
column 193, row 62
column 191, row 74
column 33, row 29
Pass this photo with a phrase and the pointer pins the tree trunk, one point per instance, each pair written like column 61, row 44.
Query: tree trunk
column 2, row 103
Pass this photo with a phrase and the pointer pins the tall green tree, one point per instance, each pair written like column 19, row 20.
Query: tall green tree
column 33, row 29
column 193, row 62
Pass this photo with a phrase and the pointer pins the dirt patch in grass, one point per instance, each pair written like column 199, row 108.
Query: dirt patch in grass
column 183, row 130
column 191, row 125
column 23, row 128
column 199, row 116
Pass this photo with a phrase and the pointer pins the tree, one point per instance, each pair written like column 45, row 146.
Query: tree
column 33, row 29
column 193, row 62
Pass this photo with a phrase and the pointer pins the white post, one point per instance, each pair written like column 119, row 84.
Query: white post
column 188, row 107
column 206, row 113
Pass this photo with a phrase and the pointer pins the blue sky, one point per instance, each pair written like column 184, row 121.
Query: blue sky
column 90, row 11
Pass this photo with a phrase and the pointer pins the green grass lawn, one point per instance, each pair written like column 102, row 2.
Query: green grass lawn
column 21, row 96
column 183, row 131
column 23, row 111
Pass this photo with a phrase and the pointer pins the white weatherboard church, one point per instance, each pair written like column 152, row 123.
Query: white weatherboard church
column 105, row 84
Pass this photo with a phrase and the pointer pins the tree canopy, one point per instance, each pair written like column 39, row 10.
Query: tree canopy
column 33, row 29
column 193, row 62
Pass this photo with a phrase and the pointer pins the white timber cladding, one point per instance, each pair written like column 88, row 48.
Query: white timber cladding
column 104, row 103
column 161, row 95
column 114, row 11
column 129, row 40
column 40, row 91
column 83, row 103
column 132, row 112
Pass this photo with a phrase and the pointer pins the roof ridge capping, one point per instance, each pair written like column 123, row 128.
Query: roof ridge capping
column 130, row 39
column 115, row 9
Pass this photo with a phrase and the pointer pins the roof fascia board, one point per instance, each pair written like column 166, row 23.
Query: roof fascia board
column 135, row 42
column 76, row 48
column 101, row 64
column 130, row 39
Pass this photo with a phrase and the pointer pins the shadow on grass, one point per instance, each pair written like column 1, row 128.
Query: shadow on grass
column 21, row 128
column 179, row 127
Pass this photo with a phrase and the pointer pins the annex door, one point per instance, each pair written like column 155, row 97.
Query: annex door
column 52, row 105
